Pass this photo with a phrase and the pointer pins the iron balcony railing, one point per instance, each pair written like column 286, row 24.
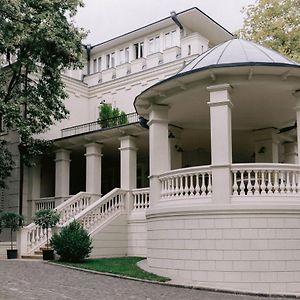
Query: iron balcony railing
column 101, row 125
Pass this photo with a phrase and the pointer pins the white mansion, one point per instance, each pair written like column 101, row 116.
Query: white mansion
column 202, row 178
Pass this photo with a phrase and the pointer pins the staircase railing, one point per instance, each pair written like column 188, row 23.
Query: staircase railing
column 98, row 213
column 32, row 236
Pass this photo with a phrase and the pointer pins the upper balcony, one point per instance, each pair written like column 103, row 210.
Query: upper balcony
column 100, row 125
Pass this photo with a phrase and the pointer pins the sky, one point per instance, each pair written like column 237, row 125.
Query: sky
column 106, row 19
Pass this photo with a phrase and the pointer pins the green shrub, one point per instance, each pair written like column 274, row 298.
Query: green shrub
column 73, row 243
column 109, row 116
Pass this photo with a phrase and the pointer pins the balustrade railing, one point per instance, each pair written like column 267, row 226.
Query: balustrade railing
column 185, row 183
column 36, row 236
column 101, row 124
column 44, row 203
column 265, row 179
column 101, row 210
column 141, row 199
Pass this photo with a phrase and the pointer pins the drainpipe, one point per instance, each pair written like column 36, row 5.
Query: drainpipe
column 177, row 22
column 88, row 54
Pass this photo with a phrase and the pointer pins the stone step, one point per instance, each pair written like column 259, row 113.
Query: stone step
column 32, row 256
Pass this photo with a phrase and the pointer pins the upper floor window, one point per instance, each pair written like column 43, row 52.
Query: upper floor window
column 95, row 65
column 170, row 39
column 110, row 60
column 99, row 64
column 154, row 45
column 138, row 50
column 124, row 55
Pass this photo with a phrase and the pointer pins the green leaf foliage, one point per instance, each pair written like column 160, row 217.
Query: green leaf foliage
column 38, row 40
column 46, row 218
column 73, row 243
column 109, row 116
column 6, row 163
column 275, row 24
column 12, row 221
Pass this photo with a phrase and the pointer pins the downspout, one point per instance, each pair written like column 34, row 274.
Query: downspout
column 88, row 54
column 175, row 19
column 177, row 22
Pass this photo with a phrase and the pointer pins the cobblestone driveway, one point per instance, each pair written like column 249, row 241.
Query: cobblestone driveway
column 37, row 280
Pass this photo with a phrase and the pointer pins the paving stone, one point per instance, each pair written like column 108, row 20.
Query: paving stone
column 38, row 280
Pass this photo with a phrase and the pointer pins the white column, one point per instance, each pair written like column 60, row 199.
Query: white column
column 93, row 168
column 36, row 181
column 221, row 141
column 128, row 152
column 290, row 153
column 266, row 145
column 158, row 149
column 175, row 148
column 62, row 173
column 297, row 108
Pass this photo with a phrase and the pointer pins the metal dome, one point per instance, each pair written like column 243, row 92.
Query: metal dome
column 237, row 52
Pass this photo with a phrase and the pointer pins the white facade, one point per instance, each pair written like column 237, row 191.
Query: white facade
column 209, row 191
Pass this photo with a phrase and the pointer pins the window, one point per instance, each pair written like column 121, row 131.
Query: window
column 124, row 55
column 170, row 39
column 110, row 60
column 99, row 64
column 154, row 45
column 138, row 50
column 189, row 49
column 95, row 65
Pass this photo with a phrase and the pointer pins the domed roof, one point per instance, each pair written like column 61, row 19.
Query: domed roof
column 237, row 52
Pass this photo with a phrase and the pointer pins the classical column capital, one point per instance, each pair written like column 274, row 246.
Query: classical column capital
column 93, row 149
column 158, row 114
column 62, row 155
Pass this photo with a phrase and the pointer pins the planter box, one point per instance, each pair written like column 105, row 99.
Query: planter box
column 12, row 254
column 48, row 254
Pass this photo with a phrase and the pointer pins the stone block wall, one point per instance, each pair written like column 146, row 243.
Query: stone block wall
column 249, row 251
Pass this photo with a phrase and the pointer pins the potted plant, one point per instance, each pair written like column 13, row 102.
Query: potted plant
column 47, row 218
column 12, row 221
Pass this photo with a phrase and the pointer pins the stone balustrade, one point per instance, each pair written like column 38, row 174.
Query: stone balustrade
column 189, row 183
column 141, row 199
column 265, row 179
column 32, row 236
column 44, row 203
column 97, row 213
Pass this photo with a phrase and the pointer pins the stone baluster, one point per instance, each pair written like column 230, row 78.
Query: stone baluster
column 281, row 185
column 181, row 189
column 242, row 184
column 191, row 186
column 294, row 186
column 197, row 187
column 269, row 185
column 235, row 185
column 209, row 186
column 186, row 186
column 256, row 184
column 276, row 183
column 263, row 183
column 203, row 186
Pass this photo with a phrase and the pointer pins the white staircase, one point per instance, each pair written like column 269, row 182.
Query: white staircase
column 93, row 215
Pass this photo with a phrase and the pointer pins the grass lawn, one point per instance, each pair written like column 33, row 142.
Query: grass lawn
column 125, row 266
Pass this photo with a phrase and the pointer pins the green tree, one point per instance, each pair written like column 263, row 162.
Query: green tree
column 38, row 40
column 275, row 24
